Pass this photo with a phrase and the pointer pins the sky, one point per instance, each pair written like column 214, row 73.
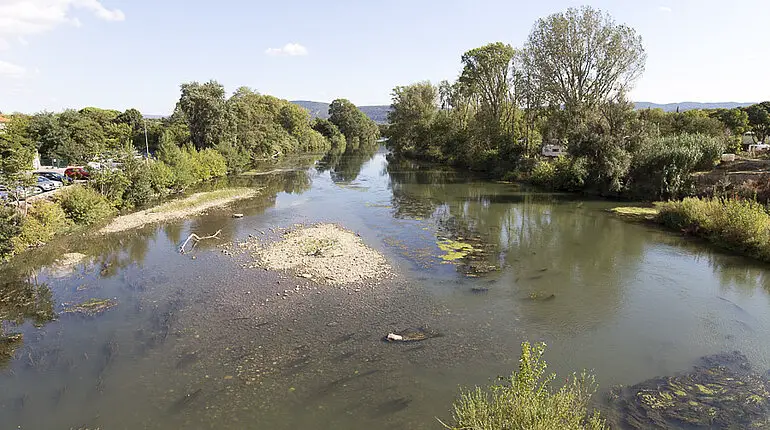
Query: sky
column 119, row 54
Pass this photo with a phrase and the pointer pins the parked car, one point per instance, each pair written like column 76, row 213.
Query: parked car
column 45, row 184
column 20, row 193
column 54, row 176
column 76, row 173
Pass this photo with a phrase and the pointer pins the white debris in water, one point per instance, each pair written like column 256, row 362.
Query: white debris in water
column 395, row 337
column 325, row 253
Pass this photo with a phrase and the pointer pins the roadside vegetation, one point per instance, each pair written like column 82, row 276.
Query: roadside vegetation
column 134, row 161
column 527, row 400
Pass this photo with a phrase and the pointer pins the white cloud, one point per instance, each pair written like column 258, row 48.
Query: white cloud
column 20, row 18
column 10, row 70
column 288, row 50
column 665, row 9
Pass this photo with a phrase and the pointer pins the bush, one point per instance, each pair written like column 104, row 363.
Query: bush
column 526, row 400
column 43, row 221
column 571, row 174
column 740, row 225
column 160, row 175
column 544, row 174
column 111, row 183
column 10, row 227
column 662, row 167
column 84, row 205
column 208, row 164
column 563, row 174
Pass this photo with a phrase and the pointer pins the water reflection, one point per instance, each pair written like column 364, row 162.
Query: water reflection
column 542, row 239
column 347, row 166
column 21, row 301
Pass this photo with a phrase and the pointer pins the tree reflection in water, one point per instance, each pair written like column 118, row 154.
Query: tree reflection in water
column 22, row 299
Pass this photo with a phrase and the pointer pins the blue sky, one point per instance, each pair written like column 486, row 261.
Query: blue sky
column 118, row 54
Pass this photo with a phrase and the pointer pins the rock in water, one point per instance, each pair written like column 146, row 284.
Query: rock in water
column 411, row 335
column 237, row 215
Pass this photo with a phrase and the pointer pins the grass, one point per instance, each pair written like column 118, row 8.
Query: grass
column 736, row 224
column 635, row 213
column 201, row 199
column 527, row 401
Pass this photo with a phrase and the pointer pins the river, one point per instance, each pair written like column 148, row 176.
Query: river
column 204, row 341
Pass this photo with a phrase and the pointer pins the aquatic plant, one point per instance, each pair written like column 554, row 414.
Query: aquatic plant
column 721, row 392
column 527, row 400
column 92, row 307
column 454, row 249
column 635, row 213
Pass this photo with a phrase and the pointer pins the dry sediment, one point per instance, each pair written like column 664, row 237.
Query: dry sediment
column 326, row 253
column 184, row 208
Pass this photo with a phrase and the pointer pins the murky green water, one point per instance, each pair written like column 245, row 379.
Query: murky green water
column 193, row 343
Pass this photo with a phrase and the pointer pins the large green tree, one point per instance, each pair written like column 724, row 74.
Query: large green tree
column 204, row 108
column 359, row 129
column 581, row 57
column 412, row 112
column 488, row 77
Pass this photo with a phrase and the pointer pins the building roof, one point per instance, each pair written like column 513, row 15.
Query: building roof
column 4, row 119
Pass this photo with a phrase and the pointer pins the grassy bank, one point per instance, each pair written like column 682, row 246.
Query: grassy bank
column 178, row 209
column 742, row 226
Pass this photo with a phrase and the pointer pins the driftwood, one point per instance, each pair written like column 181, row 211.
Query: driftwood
column 196, row 238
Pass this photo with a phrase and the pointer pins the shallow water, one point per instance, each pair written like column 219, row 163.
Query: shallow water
column 193, row 343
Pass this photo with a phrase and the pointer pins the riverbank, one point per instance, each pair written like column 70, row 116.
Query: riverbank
column 177, row 209
column 741, row 226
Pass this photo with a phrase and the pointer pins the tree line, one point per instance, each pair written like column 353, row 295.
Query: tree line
column 209, row 135
column 566, row 85
column 245, row 127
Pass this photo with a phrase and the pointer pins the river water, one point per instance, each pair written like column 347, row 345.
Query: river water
column 199, row 341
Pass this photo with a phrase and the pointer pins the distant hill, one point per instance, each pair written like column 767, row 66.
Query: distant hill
column 378, row 114
column 683, row 106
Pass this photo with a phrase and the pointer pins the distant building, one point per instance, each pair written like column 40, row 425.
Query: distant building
column 4, row 120
column 552, row 150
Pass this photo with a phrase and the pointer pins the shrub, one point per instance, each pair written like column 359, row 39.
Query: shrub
column 160, row 175
column 526, row 400
column 236, row 157
column 563, row 174
column 84, row 205
column 571, row 174
column 111, row 183
column 740, row 225
column 44, row 220
column 208, row 164
column 662, row 167
column 544, row 174
column 10, row 227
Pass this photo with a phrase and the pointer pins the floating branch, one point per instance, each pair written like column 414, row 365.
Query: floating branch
column 197, row 239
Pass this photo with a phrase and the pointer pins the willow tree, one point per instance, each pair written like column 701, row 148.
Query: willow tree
column 581, row 57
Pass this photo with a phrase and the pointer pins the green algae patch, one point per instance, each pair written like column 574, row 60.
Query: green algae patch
column 635, row 214
column 454, row 250
column 91, row 307
column 720, row 392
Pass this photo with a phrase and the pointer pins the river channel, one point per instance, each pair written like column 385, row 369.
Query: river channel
column 205, row 340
